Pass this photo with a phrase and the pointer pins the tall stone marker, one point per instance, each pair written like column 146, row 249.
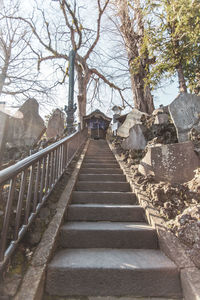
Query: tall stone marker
column 27, row 129
column 3, row 131
column 136, row 139
column 56, row 124
column 185, row 113
column 134, row 117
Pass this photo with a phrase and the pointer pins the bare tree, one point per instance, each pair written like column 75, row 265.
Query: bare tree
column 133, row 32
column 54, row 41
column 18, row 72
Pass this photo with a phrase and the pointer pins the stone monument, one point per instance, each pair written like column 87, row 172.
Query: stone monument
column 136, row 139
column 134, row 117
column 185, row 113
column 55, row 125
column 27, row 129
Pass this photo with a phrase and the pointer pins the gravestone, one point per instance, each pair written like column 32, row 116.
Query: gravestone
column 3, row 131
column 174, row 163
column 161, row 119
column 26, row 127
column 136, row 139
column 134, row 117
column 55, row 125
column 185, row 113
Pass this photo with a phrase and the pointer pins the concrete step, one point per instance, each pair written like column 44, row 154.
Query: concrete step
column 108, row 235
column 97, row 186
column 100, row 171
column 87, row 197
column 100, row 160
column 102, row 212
column 102, row 177
column 98, row 151
column 100, row 165
column 109, row 156
column 113, row 272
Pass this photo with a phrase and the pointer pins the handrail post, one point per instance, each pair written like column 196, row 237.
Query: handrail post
column 36, row 175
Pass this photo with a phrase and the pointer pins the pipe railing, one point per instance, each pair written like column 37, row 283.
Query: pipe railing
column 26, row 186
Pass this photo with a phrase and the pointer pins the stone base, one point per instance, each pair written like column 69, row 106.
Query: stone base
column 174, row 163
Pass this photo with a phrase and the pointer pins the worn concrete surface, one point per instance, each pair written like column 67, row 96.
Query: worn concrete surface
column 102, row 177
column 102, row 186
column 191, row 283
column 108, row 235
column 103, row 197
column 105, row 212
column 93, row 272
column 108, row 298
column 169, row 243
column 33, row 281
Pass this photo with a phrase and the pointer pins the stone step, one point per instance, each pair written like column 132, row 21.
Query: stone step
column 100, row 171
column 113, row 272
column 97, row 186
column 100, row 165
column 100, row 160
column 87, row 197
column 93, row 154
column 98, row 152
column 109, row 156
column 108, row 235
column 102, row 177
column 102, row 212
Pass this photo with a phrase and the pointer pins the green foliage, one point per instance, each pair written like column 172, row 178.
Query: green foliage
column 172, row 35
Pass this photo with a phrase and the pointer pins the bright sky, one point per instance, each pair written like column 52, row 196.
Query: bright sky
column 162, row 96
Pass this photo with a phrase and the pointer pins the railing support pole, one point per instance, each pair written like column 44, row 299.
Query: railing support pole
column 71, row 108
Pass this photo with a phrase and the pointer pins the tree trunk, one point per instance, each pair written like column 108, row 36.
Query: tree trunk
column 143, row 99
column 4, row 70
column 83, row 79
column 181, row 79
column 3, row 76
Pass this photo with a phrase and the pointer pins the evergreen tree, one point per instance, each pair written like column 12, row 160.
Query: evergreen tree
column 173, row 36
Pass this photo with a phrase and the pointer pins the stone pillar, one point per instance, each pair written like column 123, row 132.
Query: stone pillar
column 3, row 129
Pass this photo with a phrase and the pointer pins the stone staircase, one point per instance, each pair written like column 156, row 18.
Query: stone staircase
column 106, row 246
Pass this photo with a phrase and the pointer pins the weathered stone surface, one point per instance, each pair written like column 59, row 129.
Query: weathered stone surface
column 3, row 129
column 173, row 163
column 161, row 110
column 185, row 113
column 161, row 119
column 136, row 139
column 12, row 284
column 56, row 124
column 134, row 117
column 26, row 130
column 191, row 283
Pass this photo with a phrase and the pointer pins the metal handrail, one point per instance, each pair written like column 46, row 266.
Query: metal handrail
column 26, row 162
column 36, row 175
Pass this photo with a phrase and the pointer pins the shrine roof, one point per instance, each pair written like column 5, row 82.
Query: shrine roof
column 96, row 114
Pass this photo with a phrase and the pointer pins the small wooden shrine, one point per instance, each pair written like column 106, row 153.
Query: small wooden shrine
column 97, row 124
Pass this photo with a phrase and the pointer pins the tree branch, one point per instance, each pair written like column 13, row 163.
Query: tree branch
column 112, row 85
